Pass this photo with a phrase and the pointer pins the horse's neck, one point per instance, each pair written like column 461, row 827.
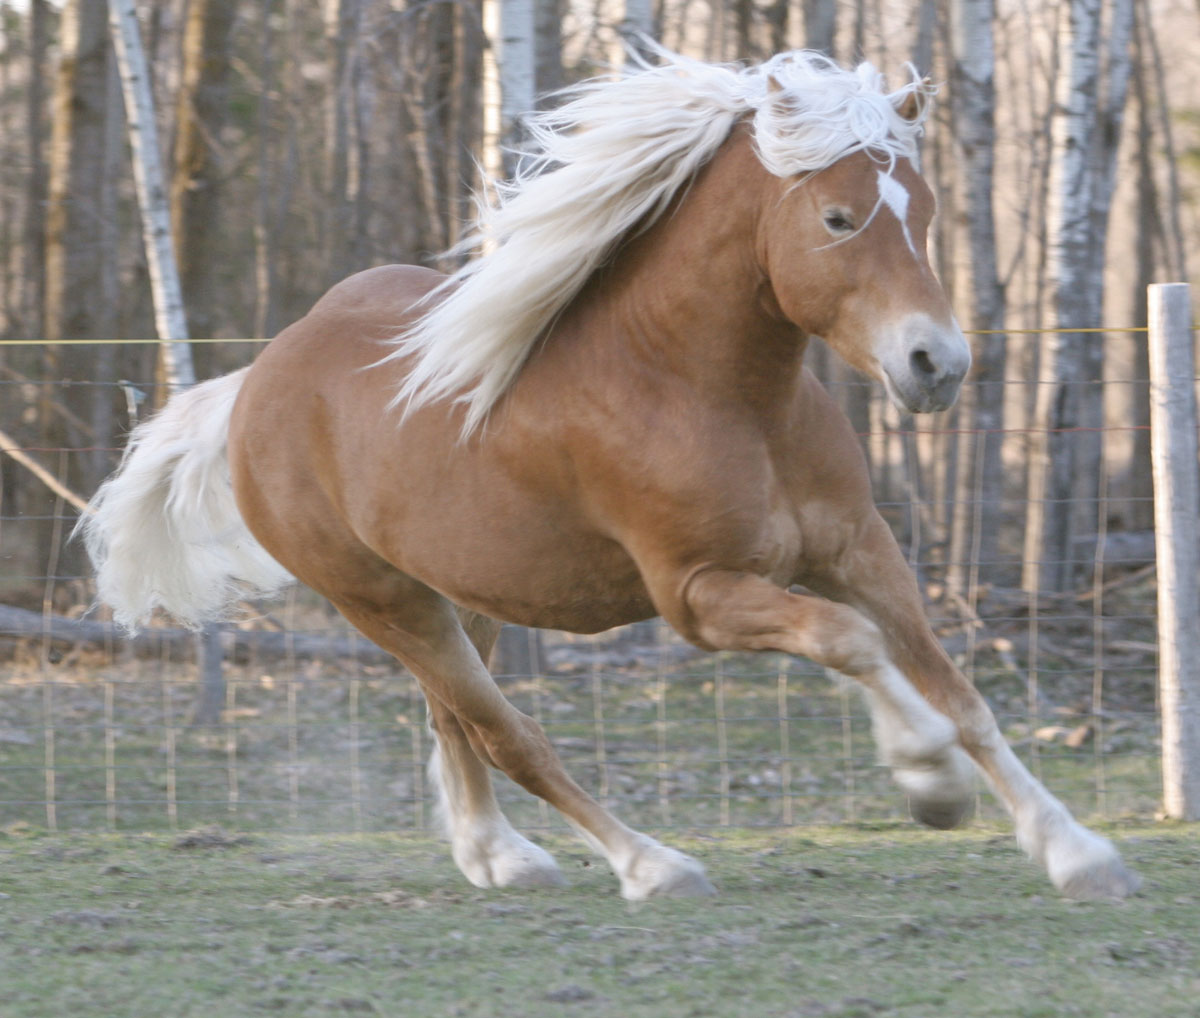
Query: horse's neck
column 687, row 297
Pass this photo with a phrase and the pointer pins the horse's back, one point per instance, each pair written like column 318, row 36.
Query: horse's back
column 384, row 290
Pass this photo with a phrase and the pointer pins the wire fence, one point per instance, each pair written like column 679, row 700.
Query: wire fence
column 302, row 725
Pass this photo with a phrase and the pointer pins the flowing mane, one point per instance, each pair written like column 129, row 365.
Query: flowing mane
column 611, row 157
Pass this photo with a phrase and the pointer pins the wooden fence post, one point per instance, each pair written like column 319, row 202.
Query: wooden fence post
column 1176, row 514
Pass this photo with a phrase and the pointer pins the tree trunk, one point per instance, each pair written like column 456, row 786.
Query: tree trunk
column 33, row 277
column 637, row 24
column 432, row 97
column 169, row 316
column 196, row 178
column 509, row 88
column 977, row 510
column 265, row 283
column 548, row 46
column 743, row 21
column 820, row 25
column 1066, row 458
column 1150, row 232
column 342, row 30
column 73, row 217
column 924, row 16
column 77, row 264
column 1176, row 247
column 10, row 218
column 777, row 14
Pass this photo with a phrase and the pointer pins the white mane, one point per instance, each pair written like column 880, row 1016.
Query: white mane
column 612, row 157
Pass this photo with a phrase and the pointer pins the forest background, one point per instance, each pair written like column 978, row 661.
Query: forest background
column 306, row 141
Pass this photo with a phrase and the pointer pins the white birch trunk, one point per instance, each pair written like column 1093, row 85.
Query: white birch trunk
column 508, row 81
column 976, row 510
column 1065, row 457
column 152, row 196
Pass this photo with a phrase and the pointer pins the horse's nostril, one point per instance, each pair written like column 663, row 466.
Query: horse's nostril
column 921, row 363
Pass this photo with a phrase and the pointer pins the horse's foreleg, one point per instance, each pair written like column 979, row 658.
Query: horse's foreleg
column 875, row 579
column 475, row 722
column 741, row 611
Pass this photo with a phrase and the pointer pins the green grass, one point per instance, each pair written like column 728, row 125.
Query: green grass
column 848, row 921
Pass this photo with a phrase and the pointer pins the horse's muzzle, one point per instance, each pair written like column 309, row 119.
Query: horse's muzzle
column 923, row 364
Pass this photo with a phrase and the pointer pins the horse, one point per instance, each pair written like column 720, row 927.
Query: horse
column 603, row 417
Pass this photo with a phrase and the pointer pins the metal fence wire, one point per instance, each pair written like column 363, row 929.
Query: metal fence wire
column 289, row 720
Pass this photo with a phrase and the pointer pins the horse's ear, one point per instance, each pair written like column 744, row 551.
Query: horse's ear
column 912, row 106
column 773, row 86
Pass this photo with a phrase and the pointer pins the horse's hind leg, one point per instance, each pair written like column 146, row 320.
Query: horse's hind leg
column 421, row 628
column 483, row 843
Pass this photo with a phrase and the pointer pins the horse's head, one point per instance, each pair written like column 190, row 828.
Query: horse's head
column 845, row 251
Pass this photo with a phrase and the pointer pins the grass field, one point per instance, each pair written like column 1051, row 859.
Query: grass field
column 851, row 921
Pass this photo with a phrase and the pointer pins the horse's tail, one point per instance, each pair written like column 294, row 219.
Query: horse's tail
column 164, row 531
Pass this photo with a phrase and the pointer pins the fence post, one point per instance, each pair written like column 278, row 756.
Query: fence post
column 1174, row 460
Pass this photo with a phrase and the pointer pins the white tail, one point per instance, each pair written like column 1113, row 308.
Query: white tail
column 164, row 531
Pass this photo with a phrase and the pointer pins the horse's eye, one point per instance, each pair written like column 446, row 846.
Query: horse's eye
column 838, row 222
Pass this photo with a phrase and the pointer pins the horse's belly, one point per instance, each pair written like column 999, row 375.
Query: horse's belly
column 533, row 576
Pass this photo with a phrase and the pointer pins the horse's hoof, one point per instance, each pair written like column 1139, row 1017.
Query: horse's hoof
column 657, row 871
column 507, row 859
column 942, row 814
column 528, row 874
column 1110, row 881
column 686, row 884
column 1085, row 866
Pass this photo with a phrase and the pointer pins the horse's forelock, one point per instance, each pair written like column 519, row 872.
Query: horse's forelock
column 810, row 113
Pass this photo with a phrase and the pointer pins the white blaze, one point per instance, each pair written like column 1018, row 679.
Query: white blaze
column 894, row 195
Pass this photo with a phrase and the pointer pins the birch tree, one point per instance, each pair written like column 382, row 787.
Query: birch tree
column 509, row 81
column 977, row 505
column 175, row 354
column 509, row 90
column 169, row 318
column 1065, row 457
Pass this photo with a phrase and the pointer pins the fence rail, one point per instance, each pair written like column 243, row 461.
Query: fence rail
column 305, row 727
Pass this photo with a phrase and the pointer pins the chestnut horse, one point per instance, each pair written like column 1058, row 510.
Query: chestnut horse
column 602, row 418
